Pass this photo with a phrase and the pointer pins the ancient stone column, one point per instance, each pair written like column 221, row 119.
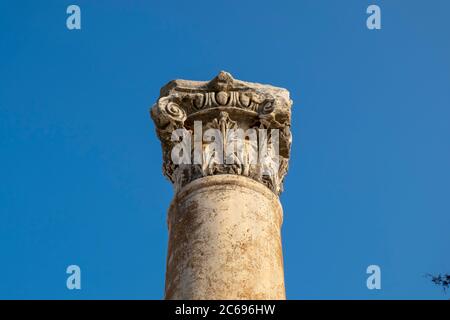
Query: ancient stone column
column 225, row 218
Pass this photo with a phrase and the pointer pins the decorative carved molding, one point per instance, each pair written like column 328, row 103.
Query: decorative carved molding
column 223, row 103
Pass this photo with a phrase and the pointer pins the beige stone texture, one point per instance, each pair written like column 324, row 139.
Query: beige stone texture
column 224, row 241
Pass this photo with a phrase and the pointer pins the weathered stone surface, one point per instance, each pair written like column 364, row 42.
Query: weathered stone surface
column 222, row 103
column 224, row 241
column 225, row 219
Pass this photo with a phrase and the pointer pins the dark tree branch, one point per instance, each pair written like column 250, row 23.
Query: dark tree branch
column 441, row 280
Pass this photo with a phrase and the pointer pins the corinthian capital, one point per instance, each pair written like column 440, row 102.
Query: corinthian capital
column 262, row 112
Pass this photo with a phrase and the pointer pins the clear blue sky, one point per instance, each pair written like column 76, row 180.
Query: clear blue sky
column 80, row 164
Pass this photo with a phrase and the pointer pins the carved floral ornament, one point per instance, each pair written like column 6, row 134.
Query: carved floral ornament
column 223, row 103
